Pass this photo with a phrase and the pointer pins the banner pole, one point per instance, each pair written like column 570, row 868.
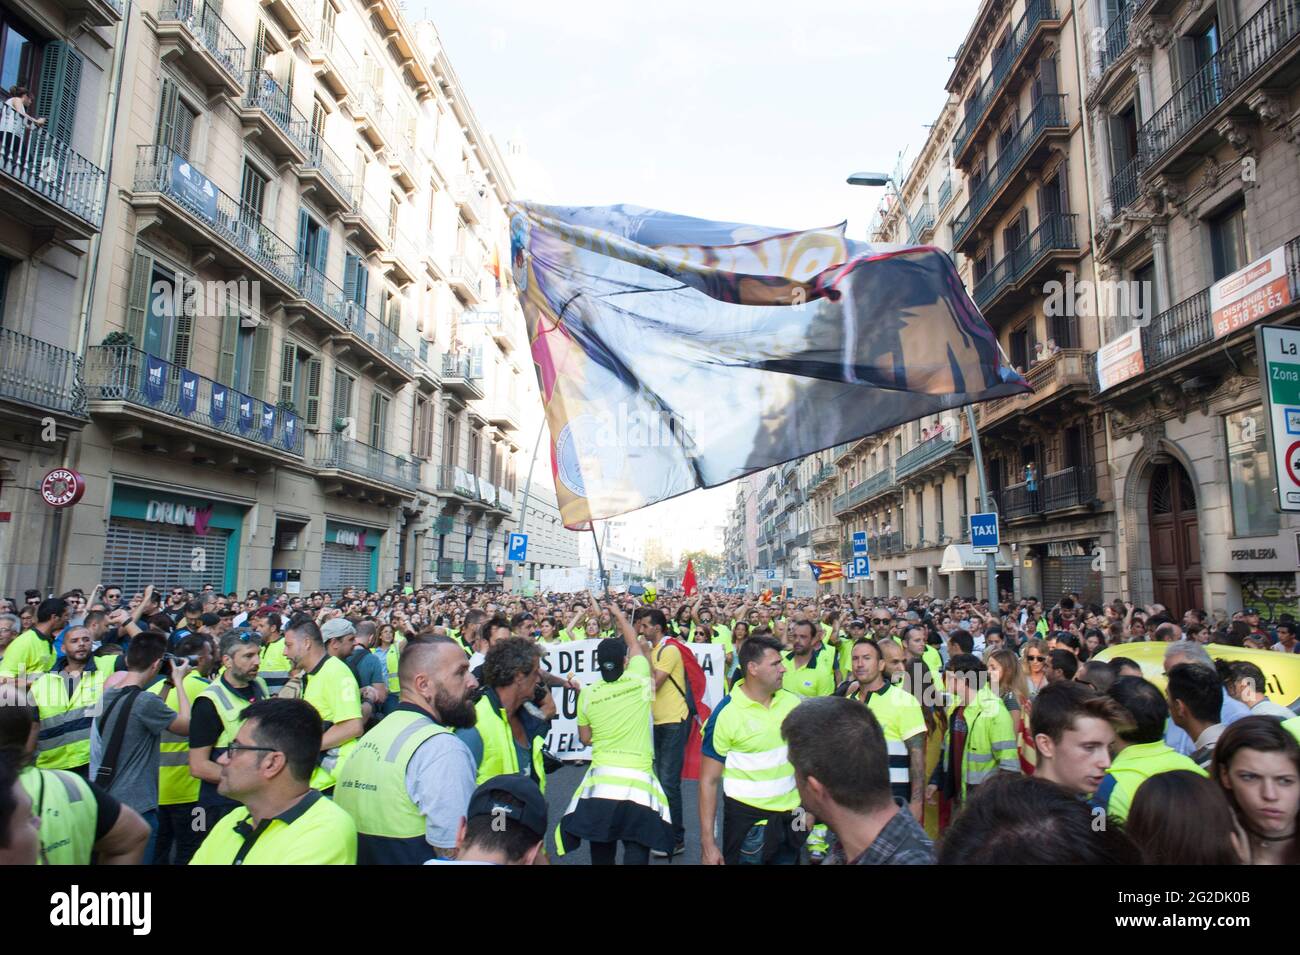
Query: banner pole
column 528, row 486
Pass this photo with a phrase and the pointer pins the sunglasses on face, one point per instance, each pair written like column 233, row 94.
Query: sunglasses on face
column 1036, row 659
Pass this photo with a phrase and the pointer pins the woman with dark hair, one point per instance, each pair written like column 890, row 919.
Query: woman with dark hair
column 1257, row 763
column 1181, row 818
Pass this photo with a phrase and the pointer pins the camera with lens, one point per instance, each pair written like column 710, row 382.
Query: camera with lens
column 170, row 659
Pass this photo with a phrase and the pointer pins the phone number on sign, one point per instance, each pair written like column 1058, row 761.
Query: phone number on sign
column 1195, row 896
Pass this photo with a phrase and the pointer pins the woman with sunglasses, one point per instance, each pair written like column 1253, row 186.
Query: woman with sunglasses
column 1008, row 681
column 1257, row 763
column 1034, row 665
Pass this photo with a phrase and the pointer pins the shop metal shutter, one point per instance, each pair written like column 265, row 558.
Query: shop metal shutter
column 137, row 553
column 1063, row 575
column 342, row 566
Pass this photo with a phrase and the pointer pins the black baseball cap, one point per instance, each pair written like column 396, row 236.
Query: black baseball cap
column 611, row 653
column 527, row 807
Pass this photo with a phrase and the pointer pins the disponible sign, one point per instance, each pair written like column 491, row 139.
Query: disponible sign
column 1248, row 295
column 578, row 660
column 1120, row 360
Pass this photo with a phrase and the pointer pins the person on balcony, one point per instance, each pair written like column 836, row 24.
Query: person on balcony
column 16, row 119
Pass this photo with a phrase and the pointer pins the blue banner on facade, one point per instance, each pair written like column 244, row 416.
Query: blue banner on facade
column 193, row 189
column 290, row 431
column 268, row 422
column 220, row 395
column 245, row 413
column 155, row 379
column 189, row 392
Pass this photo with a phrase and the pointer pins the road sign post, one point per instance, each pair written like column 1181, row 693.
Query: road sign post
column 1279, row 351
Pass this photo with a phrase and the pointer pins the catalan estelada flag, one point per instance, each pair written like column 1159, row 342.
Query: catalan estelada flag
column 824, row 571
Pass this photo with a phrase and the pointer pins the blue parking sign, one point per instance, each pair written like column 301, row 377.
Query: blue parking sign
column 518, row 549
column 984, row 532
column 861, row 566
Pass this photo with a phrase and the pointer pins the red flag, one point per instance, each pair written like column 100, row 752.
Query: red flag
column 696, row 680
column 688, row 581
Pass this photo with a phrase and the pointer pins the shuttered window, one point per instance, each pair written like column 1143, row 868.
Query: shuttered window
column 139, row 553
column 342, row 398
column 378, row 420
column 60, row 83
column 342, row 566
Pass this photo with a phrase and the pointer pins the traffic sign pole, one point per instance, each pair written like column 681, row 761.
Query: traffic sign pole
column 992, row 559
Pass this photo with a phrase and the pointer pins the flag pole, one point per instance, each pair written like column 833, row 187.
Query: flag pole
column 528, row 486
column 600, row 562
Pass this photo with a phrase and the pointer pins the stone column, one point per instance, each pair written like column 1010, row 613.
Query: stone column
column 1159, row 241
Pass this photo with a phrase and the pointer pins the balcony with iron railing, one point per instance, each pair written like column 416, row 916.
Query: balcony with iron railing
column 945, row 192
column 325, row 175
column 126, row 385
column 923, row 455
column 471, row 200
column 268, row 110
column 1065, row 372
column 380, row 341
column 1181, row 131
column 877, row 484
column 346, row 459
column 826, row 473
column 193, row 33
column 1025, row 37
column 373, row 119
column 470, row 573
column 321, row 300
column 46, row 183
column 1025, row 150
column 1184, row 333
column 462, row 374
column 194, row 210
column 1012, row 279
column 40, row 375
column 331, row 60
column 99, row 13
column 1115, row 42
column 825, row 535
column 401, row 259
column 455, row 480
column 402, row 162
column 1059, row 491
column 888, row 545
column 366, row 221
column 922, row 222
column 465, row 277
column 291, row 14
column 1124, row 185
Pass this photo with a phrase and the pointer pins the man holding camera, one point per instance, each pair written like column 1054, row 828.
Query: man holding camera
column 125, row 740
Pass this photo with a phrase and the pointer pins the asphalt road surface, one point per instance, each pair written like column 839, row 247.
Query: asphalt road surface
column 560, row 787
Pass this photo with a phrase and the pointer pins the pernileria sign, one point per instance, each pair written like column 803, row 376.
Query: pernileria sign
column 578, row 660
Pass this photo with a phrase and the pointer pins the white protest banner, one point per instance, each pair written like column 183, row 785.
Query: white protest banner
column 577, row 659
column 564, row 580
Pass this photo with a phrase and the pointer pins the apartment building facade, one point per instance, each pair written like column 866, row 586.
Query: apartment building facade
column 1197, row 135
column 53, row 189
column 301, row 359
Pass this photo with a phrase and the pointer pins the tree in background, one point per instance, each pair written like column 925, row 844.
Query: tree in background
column 657, row 559
column 707, row 566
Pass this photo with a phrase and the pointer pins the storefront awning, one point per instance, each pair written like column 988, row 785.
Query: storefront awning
column 962, row 557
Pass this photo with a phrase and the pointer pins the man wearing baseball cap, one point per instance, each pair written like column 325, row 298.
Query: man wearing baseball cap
column 505, row 824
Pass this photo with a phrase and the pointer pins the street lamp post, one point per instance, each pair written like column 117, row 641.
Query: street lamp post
column 884, row 179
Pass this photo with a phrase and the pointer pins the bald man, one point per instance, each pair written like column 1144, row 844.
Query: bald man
column 408, row 782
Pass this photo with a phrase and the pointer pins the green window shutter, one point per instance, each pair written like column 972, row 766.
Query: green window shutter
column 184, row 340
column 288, row 369
column 312, row 411
column 229, row 344
column 302, row 235
column 259, row 47
column 350, row 268
column 138, row 300
column 184, row 134
column 342, row 396
column 261, row 355
column 167, row 107
column 56, row 99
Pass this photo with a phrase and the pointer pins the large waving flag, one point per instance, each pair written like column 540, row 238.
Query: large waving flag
column 824, row 571
column 675, row 353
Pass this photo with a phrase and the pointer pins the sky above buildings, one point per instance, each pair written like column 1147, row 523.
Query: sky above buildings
column 749, row 112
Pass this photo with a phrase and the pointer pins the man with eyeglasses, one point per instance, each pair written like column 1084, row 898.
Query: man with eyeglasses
column 217, row 714
column 268, row 767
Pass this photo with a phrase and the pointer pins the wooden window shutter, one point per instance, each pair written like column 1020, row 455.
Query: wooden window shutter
column 184, row 340
column 60, row 82
column 261, row 356
column 138, row 300
column 312, row 411
column 288, row 370
column 228, row 348
column 167, row 105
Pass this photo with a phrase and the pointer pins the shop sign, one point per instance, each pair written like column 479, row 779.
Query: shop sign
column 182, row 515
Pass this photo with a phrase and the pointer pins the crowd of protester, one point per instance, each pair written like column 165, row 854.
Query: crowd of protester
column 172, row 727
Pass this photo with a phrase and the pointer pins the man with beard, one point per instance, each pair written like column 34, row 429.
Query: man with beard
column 409, row 780
column 68, row 697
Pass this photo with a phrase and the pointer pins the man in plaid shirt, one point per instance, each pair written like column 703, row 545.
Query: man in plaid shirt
column 841, row 766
